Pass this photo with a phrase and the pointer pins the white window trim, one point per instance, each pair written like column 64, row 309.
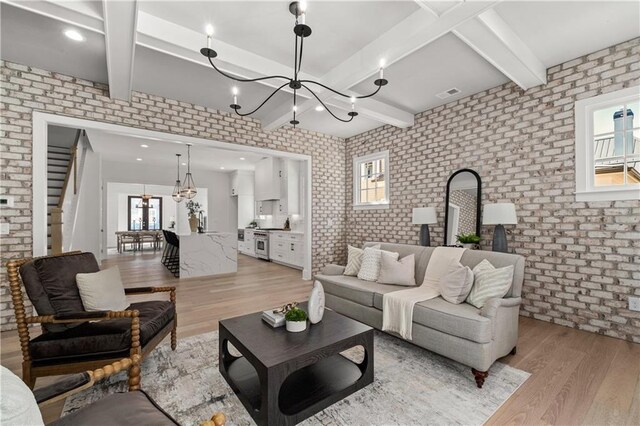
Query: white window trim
column 356, row 180
column 585, row 187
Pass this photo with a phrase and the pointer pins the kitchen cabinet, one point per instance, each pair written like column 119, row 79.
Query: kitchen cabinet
column 265, row 207
column 242, row 183
column 289, row 174
column 287, row 248
column 267, row 179
column 248, row 246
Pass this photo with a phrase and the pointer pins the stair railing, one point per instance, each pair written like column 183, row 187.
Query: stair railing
column 56, row 212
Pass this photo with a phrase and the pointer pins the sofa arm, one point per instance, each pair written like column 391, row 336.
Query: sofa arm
column 332, row 269
column 490, row 308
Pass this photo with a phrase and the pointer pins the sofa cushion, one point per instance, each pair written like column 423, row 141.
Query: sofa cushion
column 50, row 283
column 354, row 289
column 131, row 408
column 461, row 320
column 102, row 338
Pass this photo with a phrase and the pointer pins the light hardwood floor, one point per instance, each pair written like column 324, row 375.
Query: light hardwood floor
column 577, row 377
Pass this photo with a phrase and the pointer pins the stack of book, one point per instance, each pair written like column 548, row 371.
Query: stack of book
column 273, row 319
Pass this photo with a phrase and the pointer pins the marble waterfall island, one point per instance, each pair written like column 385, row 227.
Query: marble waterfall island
column 210, row 253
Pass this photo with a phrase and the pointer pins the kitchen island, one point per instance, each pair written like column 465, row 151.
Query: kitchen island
column 209, row 253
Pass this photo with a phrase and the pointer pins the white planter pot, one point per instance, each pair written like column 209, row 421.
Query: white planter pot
column 469, row 246
column 296, row 326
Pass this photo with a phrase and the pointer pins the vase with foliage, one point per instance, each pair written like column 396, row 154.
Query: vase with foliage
column 296, row 320
column 193, row 207
column 469, row 241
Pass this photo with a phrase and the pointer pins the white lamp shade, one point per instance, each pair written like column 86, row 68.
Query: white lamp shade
column 499, row 214
column 424, row 215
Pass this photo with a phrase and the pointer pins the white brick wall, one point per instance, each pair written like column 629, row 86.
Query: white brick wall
column 583, row 259
column 25, row 89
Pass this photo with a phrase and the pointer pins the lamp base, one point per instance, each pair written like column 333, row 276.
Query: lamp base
column 425, row 240
column 499, row 239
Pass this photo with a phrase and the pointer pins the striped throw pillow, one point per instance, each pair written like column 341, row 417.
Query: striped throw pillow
column 354, row 260
column 489, row 283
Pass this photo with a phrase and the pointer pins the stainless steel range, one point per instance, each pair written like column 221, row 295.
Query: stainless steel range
column 262, row 244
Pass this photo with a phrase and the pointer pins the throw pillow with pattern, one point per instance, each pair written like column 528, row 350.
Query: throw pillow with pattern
column 489, row 282
column 354, row 260
column 370, row 269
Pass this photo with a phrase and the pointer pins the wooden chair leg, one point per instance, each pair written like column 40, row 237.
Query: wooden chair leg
column 480, row 376
column 27, row 377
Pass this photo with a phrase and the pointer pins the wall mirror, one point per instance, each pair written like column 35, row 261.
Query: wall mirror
column 462, row 213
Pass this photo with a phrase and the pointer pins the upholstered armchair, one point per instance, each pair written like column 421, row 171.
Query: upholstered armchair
column 72, row 339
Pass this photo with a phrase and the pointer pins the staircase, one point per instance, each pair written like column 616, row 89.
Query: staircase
column 59, row 162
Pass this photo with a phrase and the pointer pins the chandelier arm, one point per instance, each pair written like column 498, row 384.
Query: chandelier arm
column 339, row 93
column 245, row 80
column 263, row 102
column 326, row 107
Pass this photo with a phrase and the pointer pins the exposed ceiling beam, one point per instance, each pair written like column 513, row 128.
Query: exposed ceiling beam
column 70, row 12
column 120, row 20
column 411, row 34
column 492, row 38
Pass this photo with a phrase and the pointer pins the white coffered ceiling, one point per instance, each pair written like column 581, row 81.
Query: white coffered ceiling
column 429, row 46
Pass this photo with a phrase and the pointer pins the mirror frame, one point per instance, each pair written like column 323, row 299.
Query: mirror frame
column 478, row 202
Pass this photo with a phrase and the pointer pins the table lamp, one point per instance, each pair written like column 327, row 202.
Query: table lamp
column 424, row 216
column 499, row 214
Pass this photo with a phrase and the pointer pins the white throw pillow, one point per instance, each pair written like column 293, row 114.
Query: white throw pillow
column 354, row 260
column 397, row 272
column 18, row 406
column 489, row 283
column 370, row 269
column 456, row 284
column 102, row 291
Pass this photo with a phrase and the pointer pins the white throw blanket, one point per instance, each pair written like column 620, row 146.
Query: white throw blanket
column 397, row 306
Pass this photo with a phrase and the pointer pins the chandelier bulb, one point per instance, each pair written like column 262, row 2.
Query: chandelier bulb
column 234, row 90
column 209, row 31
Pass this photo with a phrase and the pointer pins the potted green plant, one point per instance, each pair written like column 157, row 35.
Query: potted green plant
column 193, row 207
column 469, row 241
column 296, row 320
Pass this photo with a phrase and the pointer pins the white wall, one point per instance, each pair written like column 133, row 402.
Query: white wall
column 213, row 193
column 82, row 212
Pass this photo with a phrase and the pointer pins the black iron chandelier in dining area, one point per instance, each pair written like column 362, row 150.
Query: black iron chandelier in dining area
column 301, row 31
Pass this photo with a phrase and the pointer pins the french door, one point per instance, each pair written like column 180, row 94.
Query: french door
column 144, row 214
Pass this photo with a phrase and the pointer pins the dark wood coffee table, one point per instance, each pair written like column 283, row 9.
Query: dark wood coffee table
column 283, row 378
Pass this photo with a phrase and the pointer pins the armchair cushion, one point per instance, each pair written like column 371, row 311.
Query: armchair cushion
column 50, row 283
column 101, row 339
column 102, row 290
column 131, row 408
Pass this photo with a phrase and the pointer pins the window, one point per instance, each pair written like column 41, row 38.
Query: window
column 371, row 181
column 145, row 215
column 608, row 146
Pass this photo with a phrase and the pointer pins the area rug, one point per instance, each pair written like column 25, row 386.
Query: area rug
column 411, row 386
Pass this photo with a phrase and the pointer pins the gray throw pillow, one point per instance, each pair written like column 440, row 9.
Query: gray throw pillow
column 456, row 284
column 397, row 272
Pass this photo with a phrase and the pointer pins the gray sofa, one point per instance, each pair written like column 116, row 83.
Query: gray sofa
column 471, row 336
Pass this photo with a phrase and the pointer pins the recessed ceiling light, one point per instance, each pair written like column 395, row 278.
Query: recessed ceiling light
column 319, row 108
column 184, row 164
column 221, row 168
column 242, row 158
column 74, row 35
column 144, row 145
column 138, row 159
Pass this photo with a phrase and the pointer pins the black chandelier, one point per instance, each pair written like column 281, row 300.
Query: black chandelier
column 301, row 31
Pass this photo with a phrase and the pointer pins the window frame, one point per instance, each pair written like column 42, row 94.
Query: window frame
column 145, row 212
column 357, row 161
column 584, row 153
